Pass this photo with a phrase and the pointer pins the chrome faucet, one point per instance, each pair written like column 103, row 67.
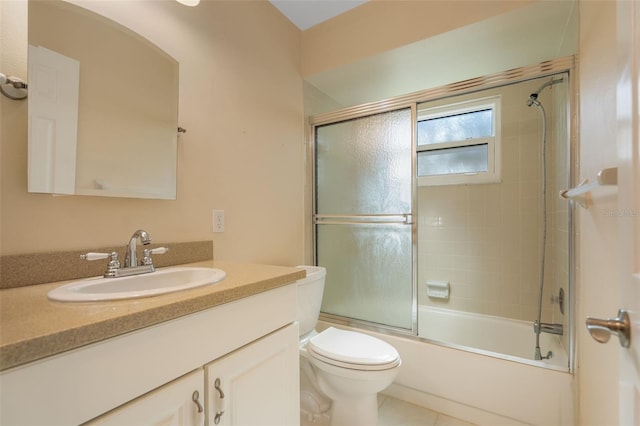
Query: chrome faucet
column 131, row 258
column 131, row 264
column 544, row 327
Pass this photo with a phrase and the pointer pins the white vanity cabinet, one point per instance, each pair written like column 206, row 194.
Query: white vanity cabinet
column 149, row 375
column 179, row 403
column 256, row 385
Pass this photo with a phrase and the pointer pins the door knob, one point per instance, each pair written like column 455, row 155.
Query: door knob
column 602, row 329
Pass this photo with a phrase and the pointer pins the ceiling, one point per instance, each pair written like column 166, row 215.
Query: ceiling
column 307, row 13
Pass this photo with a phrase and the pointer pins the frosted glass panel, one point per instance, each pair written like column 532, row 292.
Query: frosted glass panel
column 364, row 165
column 466, row 159
column 458, row 127
column 369, row 272
column 364, row 169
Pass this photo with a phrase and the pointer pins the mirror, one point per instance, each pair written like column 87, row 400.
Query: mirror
column 119, row 139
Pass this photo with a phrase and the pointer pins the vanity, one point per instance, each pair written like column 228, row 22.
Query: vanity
column 223, row 354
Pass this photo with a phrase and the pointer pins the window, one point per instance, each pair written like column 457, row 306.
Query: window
column 459, row 143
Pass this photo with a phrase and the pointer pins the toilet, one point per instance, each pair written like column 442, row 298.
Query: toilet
column 341, row 372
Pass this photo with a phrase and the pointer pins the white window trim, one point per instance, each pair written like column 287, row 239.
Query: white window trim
column 494, row 166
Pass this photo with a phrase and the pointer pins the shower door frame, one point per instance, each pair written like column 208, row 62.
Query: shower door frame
column 351, row 114
column 516, row 75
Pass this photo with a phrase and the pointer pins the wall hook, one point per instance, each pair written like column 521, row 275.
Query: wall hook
column 605, row 177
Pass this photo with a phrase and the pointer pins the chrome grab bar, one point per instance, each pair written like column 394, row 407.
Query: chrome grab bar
column 363, row 219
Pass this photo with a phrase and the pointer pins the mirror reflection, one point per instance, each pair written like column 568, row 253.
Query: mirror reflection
column 103, row 107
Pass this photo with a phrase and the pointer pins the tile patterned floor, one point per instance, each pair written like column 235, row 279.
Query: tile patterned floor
column 394, row 412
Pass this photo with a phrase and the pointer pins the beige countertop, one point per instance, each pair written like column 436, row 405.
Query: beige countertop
column 33, row 327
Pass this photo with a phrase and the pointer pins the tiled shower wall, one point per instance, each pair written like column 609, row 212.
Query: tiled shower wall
column 485, row 239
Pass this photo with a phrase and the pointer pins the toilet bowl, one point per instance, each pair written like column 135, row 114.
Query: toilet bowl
column 341, row 371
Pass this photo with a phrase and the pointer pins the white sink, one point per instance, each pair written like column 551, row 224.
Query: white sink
column 166, row 280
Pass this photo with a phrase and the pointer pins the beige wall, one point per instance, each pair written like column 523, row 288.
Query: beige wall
column 241, row 103
column 381, row 25
column 597, row 294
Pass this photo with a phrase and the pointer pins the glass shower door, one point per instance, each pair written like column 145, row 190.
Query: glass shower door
column 363, row 218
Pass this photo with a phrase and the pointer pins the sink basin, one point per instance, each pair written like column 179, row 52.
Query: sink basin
column 166, row 280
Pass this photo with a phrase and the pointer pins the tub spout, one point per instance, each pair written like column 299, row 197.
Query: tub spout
column 544, row 327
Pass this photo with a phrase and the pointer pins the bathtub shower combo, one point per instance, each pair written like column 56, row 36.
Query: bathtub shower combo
column 438, row 220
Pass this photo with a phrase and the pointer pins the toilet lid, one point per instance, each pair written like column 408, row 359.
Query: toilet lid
column 353, row 350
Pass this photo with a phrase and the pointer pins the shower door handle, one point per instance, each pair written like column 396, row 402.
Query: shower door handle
column 602, row 329
column 364, row 219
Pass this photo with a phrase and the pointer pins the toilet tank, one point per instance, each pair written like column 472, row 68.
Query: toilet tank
column 310, row 297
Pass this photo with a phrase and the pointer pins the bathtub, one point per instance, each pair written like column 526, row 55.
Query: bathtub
column 490, row 335
column 479, row 386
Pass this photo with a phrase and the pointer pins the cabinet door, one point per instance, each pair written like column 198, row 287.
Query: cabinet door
column 178, row 403
column 257, row 384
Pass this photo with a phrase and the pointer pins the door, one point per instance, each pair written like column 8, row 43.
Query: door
column 257, row 384
column 54, row 81
column 628, row 23
column 363, row 217
column 179, row 403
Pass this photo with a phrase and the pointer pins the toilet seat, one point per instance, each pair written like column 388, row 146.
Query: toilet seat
column 352, row 350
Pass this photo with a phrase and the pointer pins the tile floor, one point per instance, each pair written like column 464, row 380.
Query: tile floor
column 394, row 412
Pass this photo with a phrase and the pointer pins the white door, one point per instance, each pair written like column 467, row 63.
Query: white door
column 257, row 384
column 178, row 403
column 54, row 81
column 628, row 22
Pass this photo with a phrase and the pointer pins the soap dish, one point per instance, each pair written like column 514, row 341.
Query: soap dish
column 438, row 289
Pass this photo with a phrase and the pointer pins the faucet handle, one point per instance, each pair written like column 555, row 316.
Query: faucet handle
column 112, row 267
column 146, row 254
column 95, row 256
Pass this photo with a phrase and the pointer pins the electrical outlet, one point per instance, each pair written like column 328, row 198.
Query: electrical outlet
column 218, row 221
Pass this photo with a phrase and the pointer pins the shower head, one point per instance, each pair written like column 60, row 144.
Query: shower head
column 533, row 98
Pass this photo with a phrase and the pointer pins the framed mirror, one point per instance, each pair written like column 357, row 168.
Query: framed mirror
column 103, row 107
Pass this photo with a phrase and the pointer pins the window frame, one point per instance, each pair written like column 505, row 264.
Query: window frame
column 494, row 162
